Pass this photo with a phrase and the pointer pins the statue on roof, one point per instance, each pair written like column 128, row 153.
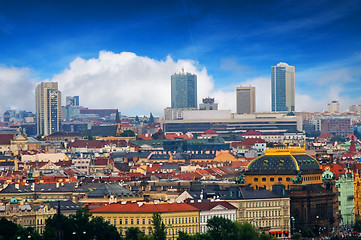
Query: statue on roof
column 240, row 179
column 298, row 178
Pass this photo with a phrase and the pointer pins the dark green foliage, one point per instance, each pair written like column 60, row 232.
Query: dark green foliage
column 308, row 233
column 246, row 230
column 265, row 236
column 158, row 135
column 159, row 230
column 221, row 228
column 11, row 231
column 338, row 139
column 134, row 233
column 357, row 226
column 127, row 133
column 296, row 235
column 81, row 227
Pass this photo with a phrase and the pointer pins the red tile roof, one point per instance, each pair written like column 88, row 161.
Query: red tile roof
column 209, row 132
column 335, row 168
column 251, row 133
column 145, row 208
column 248, row 142
column 6, row 138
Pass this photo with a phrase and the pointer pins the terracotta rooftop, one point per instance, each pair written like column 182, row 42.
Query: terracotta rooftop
column 145, row 208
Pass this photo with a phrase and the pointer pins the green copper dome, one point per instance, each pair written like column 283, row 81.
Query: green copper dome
column 13, row 201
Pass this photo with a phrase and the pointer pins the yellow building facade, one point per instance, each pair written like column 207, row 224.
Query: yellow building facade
column 284, row 166
column 176, row 217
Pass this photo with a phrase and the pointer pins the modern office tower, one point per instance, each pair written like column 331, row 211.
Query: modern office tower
column 48, row 108
column 283, row 87
column 333, row 106
column 246, row 99
column 208, row 104
column 72, row 101
column 184, row 90
column 355, row 108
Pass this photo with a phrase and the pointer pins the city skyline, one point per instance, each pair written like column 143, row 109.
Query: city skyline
column 117, row 60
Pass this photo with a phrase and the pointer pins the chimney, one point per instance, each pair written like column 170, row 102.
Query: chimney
column 17, row 186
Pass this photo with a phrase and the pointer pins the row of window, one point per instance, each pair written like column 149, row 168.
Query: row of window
column 272, row 179
column 265, row 223
column 263, row 204
column 232, row 217
column 137, row 221
column 263, row 213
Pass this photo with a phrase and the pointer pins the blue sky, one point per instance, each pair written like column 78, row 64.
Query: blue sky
column 237, row 42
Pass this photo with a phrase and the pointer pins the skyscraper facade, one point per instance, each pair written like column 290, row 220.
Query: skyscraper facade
column 184, row 90
column 246, row 99
column 48, row 108
column 283, row 87
column 72, row 101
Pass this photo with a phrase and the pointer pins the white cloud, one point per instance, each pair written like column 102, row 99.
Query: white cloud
column 17, row 89
column 131, row 83
column 138, row 85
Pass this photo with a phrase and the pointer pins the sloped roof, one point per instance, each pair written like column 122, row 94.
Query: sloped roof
column 109, row 189
column 206, row 206
column 145, row 208
column 251, row 133
column 87, row 144
column 283, row 163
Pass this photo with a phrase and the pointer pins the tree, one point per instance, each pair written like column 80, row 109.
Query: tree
column 158, row 135
column 357, row 226
column 338, row 139
column 80, row 227
column 11, row 231
column 133, row 233
column 266, row 236
column 158, row 231
column 246, row 230
column 221, row 228
column 127, row 133
column 296, row 235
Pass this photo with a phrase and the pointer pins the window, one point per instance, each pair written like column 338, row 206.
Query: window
column 280, row 179
column 131, row 221
column 115, row 221
column 272, row 179
column 255, row 179
column 126, row 221
column 149, row 221
column 263, row 179
column 137, row 221
column 143, row 221
column 120, row 221
column 288, row 179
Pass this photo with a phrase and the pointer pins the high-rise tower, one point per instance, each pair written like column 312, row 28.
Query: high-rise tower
column 246, row 99
column 48, row 108
column 283, row 87
column 184, row 90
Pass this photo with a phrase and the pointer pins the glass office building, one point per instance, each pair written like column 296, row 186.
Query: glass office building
column 283, row 87
column 184, row 90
